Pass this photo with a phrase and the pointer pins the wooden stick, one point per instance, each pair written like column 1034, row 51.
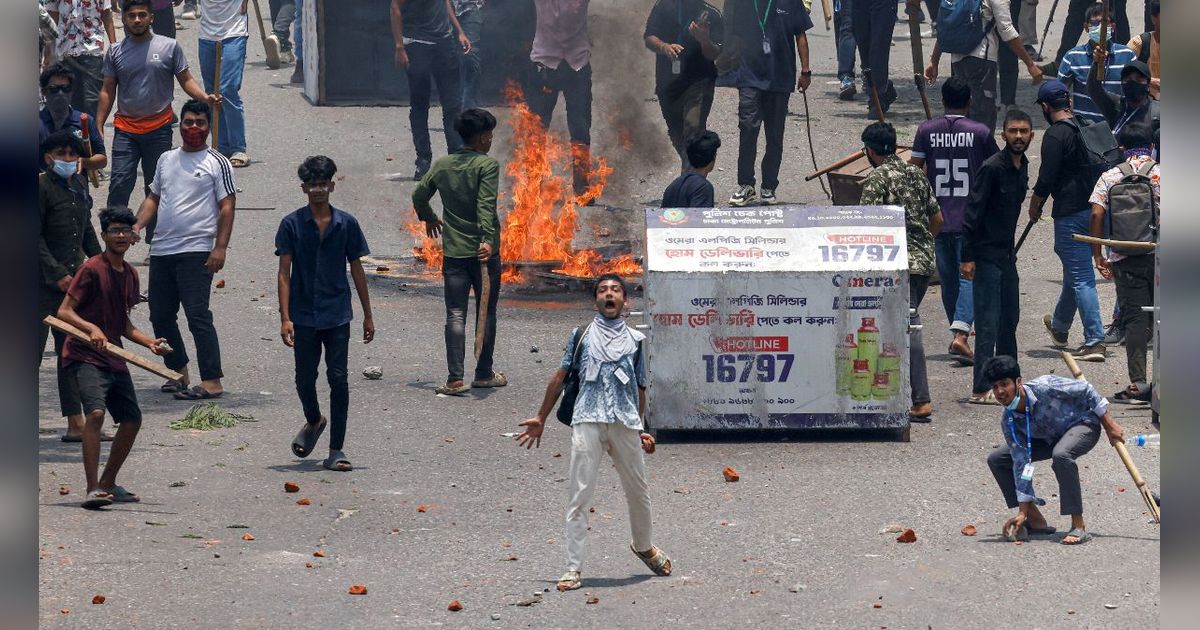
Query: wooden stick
column 216, row 110
column 1123, row 452
column 112, row 349
column 1102, row 68
column 1142, row 487
column 262, row 32
column 1111, row 243
column 485, row 293
column 86, row 134
column 836, row 165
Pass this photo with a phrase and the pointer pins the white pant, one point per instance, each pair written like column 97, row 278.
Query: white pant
column 589, row 440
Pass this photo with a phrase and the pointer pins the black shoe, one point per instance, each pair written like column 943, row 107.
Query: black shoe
column 298, row 73
column 422, row 168
column 847, row 90
column 1114, row 335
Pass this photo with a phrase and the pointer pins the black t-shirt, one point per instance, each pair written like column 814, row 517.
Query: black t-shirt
column 750, row 23
column 669, row 21
column 425, row 20
column 690, row 190
column 1062, row 175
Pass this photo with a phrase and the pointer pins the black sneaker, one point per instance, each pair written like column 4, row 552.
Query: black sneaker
column 766, row 196
column 745, row 196
column 1059, row 338
column 1094, row 353
column 422, row 168
column 1114, row 335
column 298, row 73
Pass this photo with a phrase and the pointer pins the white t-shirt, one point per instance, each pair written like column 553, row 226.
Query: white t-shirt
column 998, row 14
column 190, row 185
column 222, row 19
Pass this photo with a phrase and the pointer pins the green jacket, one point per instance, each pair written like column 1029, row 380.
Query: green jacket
column 66, row 236
column 896, row 182
column 468, row 182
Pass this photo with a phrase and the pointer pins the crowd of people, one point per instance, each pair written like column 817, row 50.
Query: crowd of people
column 962, row 195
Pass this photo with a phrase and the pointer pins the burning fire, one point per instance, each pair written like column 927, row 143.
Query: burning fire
column 543, row 209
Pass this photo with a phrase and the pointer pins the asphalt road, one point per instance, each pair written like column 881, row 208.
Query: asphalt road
column 795, row 543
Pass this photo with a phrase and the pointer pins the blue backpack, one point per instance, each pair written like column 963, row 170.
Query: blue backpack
column 960, row 26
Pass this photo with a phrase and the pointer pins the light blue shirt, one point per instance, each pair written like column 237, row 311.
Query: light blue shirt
column 607, row 399
column 1055, row 404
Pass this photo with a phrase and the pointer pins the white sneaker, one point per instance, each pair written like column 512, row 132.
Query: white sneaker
column 745, row 196
column 766, row 196
column 188, row 14
column 287, row 57
column 271, row 49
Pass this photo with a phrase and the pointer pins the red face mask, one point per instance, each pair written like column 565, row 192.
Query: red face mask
column 193, row 136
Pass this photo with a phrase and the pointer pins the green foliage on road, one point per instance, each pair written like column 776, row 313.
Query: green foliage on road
column 208, row 416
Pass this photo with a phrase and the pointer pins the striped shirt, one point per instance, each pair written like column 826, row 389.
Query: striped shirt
column 1074, row 72
column 190, row 186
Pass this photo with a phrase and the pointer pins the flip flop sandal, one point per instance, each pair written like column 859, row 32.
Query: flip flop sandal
column 446, row 390
column 1081, row 536
column 337, row 462
column 97, row 499
column 172, row 387
column 71, row 439
column 497, row 380
column 196, row 393
column 239, row 160
column 570, row 581
column 306, row 439
column 657, row 561
column 988, row 398
column 121, row 495
column 1136, row 393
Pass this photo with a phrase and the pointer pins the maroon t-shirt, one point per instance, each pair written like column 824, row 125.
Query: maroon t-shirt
column 103, row 297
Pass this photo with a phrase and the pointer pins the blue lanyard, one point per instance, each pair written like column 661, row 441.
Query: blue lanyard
column 1012, row 428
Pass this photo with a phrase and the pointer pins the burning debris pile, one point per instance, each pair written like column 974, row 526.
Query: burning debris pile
column 542, row 208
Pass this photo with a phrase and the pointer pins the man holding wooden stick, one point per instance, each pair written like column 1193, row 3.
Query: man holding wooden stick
column 1049, row 417
column 98, row 301
column 468, row 180
column 224, row 31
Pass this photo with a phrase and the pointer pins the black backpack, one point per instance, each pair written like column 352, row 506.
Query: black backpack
column 566, row 408
column 1144, row 52
column 1132, row 213
column 1098, row 148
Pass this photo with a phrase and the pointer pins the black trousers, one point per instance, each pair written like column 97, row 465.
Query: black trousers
column 545, row 84
column 1077, row 441
column 1007, row 64
column 874, row 21
column 429, row 64
column 758, row 108
column 1134, row 279
column 997, row 295
column 336, row 343
column 461, row 276
column 1077, row 15
column 182, row 279
column 164, row 22
column 980, row 74
column 68, row 394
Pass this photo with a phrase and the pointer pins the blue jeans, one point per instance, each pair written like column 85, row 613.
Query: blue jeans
column 997, row 297
column 298, row 33
column 844, row 27
column 956, row 296
column 470, row 63
column 1079, row 280
column 231, row 136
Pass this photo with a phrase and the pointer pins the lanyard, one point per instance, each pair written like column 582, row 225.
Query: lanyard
column 1013, row 430
column 762, row 17
column 1125, row 119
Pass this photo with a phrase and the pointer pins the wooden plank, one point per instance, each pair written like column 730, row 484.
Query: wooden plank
column 1111, row 243
column 114, row 350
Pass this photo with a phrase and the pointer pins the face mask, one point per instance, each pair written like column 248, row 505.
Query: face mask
column 1094, row 34
column 58, row 104
column 65, row 169
column 193, row 136
column 1016, row 401
column 1135, row 91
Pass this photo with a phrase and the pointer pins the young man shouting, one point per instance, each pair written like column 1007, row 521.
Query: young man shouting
column 468, row 180
column 1049, row 417
column 98, row 301
column 314, row 244
column 605, row 358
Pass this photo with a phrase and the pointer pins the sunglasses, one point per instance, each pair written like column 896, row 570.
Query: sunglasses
column 58, row 89
column 119, row 231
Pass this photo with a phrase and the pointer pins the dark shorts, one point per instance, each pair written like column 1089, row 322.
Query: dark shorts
column 106, row 391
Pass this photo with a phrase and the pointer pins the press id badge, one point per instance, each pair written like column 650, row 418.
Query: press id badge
column 1027, row 472
column 766, row 45
column 676, row 66
column 621, row 376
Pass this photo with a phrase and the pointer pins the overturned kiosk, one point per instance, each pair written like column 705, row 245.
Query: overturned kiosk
column 777, row 317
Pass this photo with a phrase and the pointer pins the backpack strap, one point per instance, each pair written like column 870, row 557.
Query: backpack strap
column 578, row 347
column 1144, row 50
column 1126, row 169
column 1145, row 169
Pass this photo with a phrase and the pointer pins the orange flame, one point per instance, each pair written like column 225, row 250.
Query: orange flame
column 543, row 209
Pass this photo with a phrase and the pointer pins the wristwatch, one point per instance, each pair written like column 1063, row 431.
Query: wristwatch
column 806, row 73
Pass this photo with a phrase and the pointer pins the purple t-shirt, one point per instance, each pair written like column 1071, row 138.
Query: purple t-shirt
column 953, row 148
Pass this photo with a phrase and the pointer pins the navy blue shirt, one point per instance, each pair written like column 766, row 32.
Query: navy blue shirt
column 690, row 190
column 320, row 293
column 74, row 123
column 748, row 23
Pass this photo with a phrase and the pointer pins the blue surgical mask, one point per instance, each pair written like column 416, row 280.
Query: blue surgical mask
column 65, row 169
column 1016, row 402
column 1094, row 34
